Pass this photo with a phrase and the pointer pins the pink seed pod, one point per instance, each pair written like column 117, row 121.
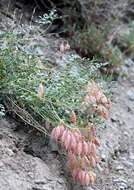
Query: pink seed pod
column 86, row 161
column 63, row 138
column 78, row 131
column 79, row 177
column 67, row 46
column 87, row 179
column 104, row 99
column 86, row 99
column 85, row 148
column 77, row 135
column 67, row 141
column 92, row 161
column 93, row 174
column 47, row 125
column 62, row 48
column 53, row 134
column 93, row 148
column 92, row 177
column 75, row 173
column 96, row 158
column 107, row 106
column 102, row 111
column 73, row 142
column 57, row 133
column 100, row 108
column 96, row 141
column 92, row 99
column 40, row 91
column 89, row 146
column 99, row 95
column 83, row 173
column 61, row 127
column 73, row 117
column 105, row 115
column 79, row 148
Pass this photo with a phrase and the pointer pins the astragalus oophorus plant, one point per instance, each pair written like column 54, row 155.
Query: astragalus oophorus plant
column 64, row 97
column 81, row 141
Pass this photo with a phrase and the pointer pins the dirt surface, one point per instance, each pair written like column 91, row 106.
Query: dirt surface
column 30, row 161
column 117, row 170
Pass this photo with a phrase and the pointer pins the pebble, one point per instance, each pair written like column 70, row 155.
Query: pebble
column 133, row 69
column 131, row 156
column 122, row 187
column 103, row 157
column 42, row 187
column 122, row 159
column 130, row 95
column 121, row 183
column 126, row 134
column 40, row 182
column 60, row 180
column 121, row 122
column 53, row 146
column 1, row 164
column 30, row 174
column 130, row 61
column 99, row 168
column 9, row 152
column 90, row 188
column 128, row 164
column 119, row 168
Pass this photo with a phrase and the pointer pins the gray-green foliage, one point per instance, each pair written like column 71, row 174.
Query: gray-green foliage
column 63, row 87
column 48, row 18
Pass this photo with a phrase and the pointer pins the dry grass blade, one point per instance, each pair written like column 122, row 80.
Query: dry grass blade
column 24, row 115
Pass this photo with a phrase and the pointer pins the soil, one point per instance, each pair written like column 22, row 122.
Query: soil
column 29, row 160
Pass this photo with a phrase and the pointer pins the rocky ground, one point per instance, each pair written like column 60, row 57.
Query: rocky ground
column 117, row 172
column 30, row 161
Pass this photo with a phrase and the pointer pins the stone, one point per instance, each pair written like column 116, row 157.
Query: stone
column 42, row 187
column 39, row 181
column 99, row 168
column 60, row 180
column 103, row 157
column 130, row 61
column 90, row 188
column 130, row 95
column 121, row 122
column 128, row 164
column 119, row 168
column 53, row 145
column 121, row 183
column 131, row 156
column 1, row 164
column 9, row 152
